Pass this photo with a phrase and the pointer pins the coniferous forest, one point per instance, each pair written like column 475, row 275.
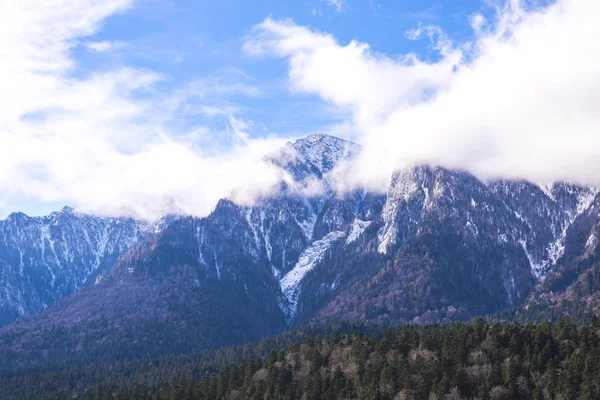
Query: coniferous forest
column 558, row 360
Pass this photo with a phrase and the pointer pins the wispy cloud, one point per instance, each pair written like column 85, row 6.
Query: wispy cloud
column 98, row 140
column 213, row 111
column 477, row 21
column 222, row 86
column 339, row 5
column 104, row 46
column 352, row 76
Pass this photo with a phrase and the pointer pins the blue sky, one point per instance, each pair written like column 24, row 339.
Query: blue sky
column 187, row 41
column 139, row 107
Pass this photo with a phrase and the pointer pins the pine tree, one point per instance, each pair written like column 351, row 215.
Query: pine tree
column 386, row 382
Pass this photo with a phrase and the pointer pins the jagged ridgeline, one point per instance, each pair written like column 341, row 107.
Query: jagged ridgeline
column 504, row 361
column 438, row 246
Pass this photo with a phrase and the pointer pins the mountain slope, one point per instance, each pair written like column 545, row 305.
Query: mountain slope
column 43, row 259
column 548, row 212
column 440, row 245
column 573, row 285
column 313, row 156
column 219, row 277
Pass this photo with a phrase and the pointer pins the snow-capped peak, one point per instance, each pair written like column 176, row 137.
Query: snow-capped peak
column 324, row 151
column 314, row 155
column 67, row 210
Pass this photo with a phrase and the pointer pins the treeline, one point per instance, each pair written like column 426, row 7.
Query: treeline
column 69, row 377
column 502, row 361
column 578, row 310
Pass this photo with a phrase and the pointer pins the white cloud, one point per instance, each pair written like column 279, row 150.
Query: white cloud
column 439, row 40
column 338, row 4
column 477, row 21
column 104, row 46
column 218, row 86
column 97, row 142
column 351, row 76
column 212, row 97
column 522, row 100
column 213, row 111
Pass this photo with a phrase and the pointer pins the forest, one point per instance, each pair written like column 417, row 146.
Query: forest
column 559, row 360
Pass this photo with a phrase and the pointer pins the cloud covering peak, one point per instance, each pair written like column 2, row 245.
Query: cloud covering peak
column 521, row 100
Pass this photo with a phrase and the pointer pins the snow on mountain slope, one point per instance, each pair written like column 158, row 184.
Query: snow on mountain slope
column 357, row 229
column 43, row 259
column 276, row 242
column 439, row 245
column 402, row 207
column 324, row 151
column 313, row 156
column 557, row 248
column 310, row 257
column 547, row 212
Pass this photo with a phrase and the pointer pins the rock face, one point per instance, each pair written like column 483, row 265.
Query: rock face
column 572, row 286
column 547, row 213
column 440, row 245
column 43, row 259
column 446, row 246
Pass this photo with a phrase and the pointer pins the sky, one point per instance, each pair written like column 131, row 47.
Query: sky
column 124, row 107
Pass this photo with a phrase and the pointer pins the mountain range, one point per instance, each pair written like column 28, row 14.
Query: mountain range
column 438, row 246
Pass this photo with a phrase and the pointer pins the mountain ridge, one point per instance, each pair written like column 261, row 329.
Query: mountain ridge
column 433, row 248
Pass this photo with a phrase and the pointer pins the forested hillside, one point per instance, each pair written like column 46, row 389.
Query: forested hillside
column 503, row 361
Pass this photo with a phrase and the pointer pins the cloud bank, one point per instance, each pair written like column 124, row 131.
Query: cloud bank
column 97, row 141
column 521, row 100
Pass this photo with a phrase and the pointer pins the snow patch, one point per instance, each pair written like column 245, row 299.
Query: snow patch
column 538, row 269
column 100, row 248
column 590, row 244
column 405, row 185
column 308, row 225
column 200, row 240
column 357, row 229
column 255, row 233
column 217, row 265
column 556, row 249
column 510, row 287
column 520, row 217
column 276, row 273
column 266, row 235
column 324, row 151
column 335, row 283
column 290, row 283
column 547, row 189
column 426, row 191
column 472, row 228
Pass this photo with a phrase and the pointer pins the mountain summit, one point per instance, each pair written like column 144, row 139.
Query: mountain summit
column 313, row 155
